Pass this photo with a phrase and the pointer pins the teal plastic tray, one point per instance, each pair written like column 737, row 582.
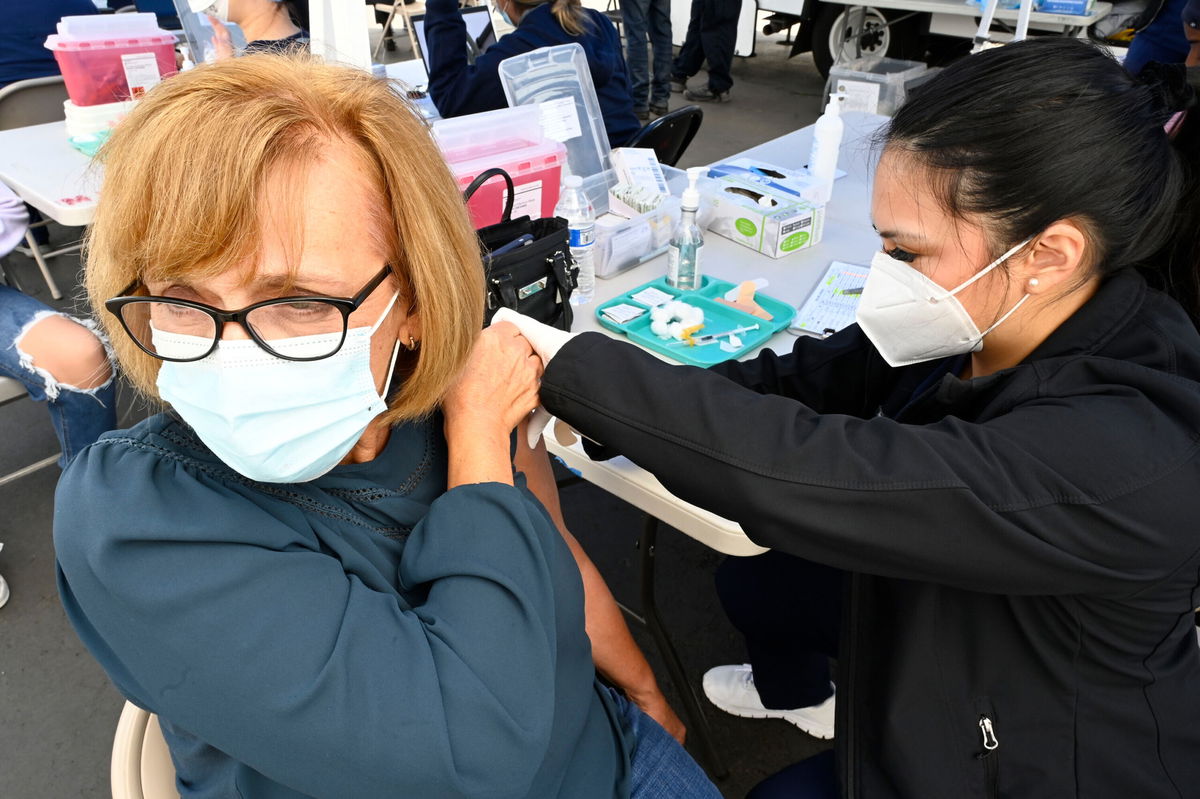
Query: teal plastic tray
column 718, row 318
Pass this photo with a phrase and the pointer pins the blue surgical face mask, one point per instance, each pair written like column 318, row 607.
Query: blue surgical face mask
column 504, row 16
column 273, row 420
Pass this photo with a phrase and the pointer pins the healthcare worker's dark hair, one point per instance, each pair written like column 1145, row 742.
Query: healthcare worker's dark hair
column 1050, row 129
column 298, row 11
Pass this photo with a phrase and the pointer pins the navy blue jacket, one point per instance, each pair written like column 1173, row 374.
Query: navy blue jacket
column 458, row 88
column 23, row 33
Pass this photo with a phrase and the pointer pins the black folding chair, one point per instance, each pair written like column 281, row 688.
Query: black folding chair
column 670, row 134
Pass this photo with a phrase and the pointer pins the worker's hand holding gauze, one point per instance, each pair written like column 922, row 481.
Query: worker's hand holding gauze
column 546, row 342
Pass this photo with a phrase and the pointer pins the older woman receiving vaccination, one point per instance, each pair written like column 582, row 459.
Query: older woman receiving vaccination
column 320, row 567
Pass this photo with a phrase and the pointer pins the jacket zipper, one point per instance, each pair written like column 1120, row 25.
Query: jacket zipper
column 991, row 761
column 846, row 691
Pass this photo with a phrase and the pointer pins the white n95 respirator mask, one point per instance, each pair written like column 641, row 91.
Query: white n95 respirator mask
column 270, row 419
column 911, row 319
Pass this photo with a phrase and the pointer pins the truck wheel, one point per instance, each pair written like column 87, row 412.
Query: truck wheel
column 831, row 30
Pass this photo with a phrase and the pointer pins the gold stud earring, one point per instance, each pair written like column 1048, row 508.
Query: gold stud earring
column 412, row 343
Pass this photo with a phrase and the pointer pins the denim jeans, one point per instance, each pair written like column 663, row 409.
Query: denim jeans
column 648, row 19
column 79, row 416
column 660, row 768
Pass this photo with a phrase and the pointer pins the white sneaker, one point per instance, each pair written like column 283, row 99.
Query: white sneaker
column 731, row 688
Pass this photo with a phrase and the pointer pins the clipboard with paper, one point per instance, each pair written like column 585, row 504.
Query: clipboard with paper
column 832, row 304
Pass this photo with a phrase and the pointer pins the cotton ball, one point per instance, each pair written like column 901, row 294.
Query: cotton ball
column 693, row 315
column 660, row 328
column 660, row 313
column 676, row 329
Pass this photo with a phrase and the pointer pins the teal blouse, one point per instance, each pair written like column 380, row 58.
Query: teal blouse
column 365, row 634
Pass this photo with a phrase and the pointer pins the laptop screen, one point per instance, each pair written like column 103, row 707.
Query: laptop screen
column 479, row 29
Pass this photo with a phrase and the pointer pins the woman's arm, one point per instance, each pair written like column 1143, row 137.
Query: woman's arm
column 614, row 651
column 13, row 220
column 1077, row 492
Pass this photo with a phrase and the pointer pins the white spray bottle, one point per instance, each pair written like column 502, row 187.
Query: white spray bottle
column 827, row 140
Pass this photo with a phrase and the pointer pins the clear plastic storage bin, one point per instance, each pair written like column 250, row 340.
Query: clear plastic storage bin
column 111, row 58
column 625, row 243
column 512, row 140
column 558, row 78
column 873, row 84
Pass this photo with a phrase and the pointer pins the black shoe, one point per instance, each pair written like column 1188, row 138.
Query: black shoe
column 643, row 114
column 706, row 95
column 658, row 110
column 678, row 85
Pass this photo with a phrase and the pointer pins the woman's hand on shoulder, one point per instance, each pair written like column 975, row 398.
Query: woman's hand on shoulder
column 499, row 385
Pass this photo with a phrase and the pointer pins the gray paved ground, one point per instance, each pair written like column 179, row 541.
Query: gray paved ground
column 57, row 710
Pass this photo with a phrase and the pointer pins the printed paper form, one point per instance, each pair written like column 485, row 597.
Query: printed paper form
column 829, row 308
column 560, row 120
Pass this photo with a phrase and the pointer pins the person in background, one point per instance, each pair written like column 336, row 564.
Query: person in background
column 458, row 87
column 1000, row 457
column 23, row 31
column 24, row 26
column 650, row 84
column 711, row 36
column 61, row 361
column 270, row 26
column 1162, row 39
column 333, row 578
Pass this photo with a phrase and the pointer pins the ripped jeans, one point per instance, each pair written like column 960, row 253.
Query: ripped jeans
column 79, row 415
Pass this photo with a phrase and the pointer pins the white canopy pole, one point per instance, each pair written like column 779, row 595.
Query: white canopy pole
column 985, row 25
column 1023, row 20
column 339, row 32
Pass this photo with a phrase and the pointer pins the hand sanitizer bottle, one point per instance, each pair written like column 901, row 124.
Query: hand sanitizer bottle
column 827, row 140
column 687, row 242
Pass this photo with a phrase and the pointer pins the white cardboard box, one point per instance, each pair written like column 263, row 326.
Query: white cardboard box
column 774, row 224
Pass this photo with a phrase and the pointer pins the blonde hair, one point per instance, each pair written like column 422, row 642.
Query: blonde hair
column 182, row 199
column 569, row 13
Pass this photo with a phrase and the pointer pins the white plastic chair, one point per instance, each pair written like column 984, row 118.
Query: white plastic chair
column 10, row 391
column 141, row 762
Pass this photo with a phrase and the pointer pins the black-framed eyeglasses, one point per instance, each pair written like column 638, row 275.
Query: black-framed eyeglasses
column 306, row 328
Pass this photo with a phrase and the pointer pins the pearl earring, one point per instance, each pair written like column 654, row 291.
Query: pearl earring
column 1033, row 282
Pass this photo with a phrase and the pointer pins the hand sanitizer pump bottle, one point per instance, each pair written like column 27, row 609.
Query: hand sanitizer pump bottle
column 827, row 140
column 687, row 242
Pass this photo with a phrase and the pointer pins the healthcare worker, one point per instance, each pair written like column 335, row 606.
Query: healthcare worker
column 270, row 26
column 1002, row 455
column 458, row 87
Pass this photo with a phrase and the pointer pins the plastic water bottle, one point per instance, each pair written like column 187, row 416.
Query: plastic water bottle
column 574, row 206
column 687, row 242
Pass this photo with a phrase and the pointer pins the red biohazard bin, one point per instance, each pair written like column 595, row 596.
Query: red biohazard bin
column 111, row 58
